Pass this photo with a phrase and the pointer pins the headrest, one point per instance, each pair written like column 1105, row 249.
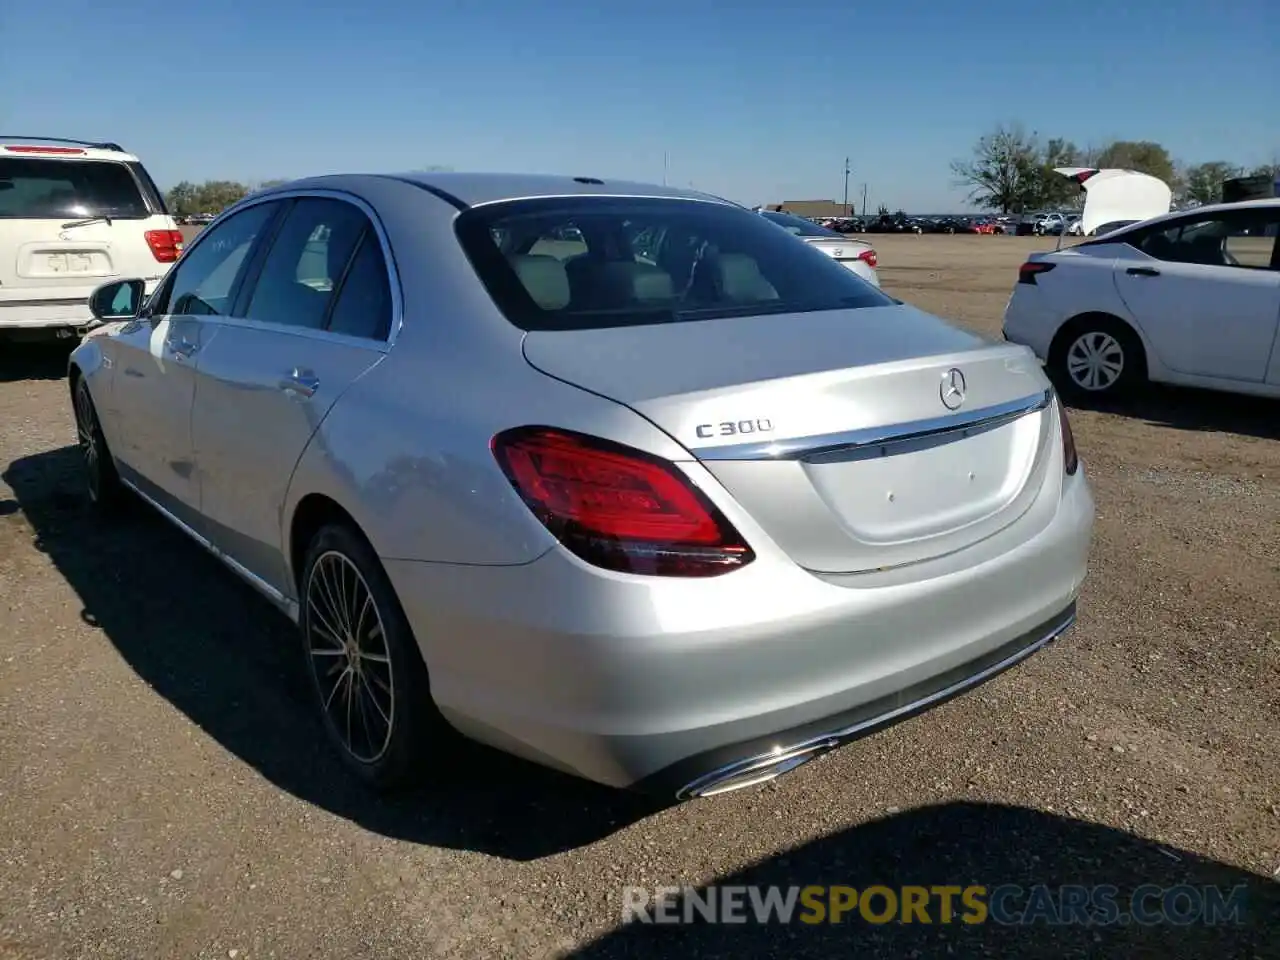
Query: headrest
column 741, row 279
column 544, row 279
column 640, row 281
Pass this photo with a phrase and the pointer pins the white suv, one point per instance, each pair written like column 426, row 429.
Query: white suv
column 74, row 215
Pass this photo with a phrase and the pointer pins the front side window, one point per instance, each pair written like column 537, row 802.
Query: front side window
column 307, row 259
column 204, row 282
column 1238, row 239
column 645, row 260
column 39, row 188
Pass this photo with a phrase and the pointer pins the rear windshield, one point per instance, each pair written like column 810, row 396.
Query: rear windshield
column 801, row 227
column 579, row 263
column 40, row 188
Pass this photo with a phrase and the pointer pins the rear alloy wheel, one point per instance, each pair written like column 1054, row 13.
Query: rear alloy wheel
column 102, row 483
column 1098, row 359
column 367, row 672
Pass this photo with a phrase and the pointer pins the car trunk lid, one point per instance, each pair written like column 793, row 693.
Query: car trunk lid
column 856, row 439
column 839, row 248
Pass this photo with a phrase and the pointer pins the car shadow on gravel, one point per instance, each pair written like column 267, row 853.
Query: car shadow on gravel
column 33, row 361
column 964, row 845
column 1183, row 408
column 229, row 661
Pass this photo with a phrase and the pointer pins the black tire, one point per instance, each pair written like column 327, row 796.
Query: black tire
column 102, row 482
column 395, row 689
column 1121, row 366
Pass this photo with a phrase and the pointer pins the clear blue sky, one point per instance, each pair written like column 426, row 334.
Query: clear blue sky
column 759, row 104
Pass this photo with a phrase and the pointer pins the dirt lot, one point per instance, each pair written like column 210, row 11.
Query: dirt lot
column 165, row 792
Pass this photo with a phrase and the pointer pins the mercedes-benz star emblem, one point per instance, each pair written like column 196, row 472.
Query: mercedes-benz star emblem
column 952, row 389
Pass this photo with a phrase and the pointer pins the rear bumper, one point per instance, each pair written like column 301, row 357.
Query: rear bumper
column 863, row 270
column 1027, row 320
column 673, row 685
column 44, row 314
column 745, row 764
column 52, row 313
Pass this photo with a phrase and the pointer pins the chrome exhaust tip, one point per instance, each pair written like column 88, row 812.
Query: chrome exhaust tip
column 754, row 771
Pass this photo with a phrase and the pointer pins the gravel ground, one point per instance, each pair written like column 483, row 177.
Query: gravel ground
column 165, row 792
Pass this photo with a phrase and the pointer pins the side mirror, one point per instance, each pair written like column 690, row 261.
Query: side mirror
column 118, row 300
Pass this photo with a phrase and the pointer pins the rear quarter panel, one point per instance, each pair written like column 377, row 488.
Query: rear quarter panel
column 406, row 451
column 1084, row 282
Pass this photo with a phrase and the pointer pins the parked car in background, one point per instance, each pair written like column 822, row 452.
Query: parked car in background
column 719, row 507
column 857, row 255
column 1025, row 226
column 1190, row 298
column 1050, row 223
column 844, row 224
column 893, row 223
column 74, row 214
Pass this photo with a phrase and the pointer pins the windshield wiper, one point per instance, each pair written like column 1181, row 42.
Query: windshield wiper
column 86, row 221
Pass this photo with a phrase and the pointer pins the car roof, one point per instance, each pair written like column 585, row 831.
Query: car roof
column 1207, row 209
column 474, row 189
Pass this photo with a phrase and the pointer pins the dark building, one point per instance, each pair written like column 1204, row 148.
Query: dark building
column 812, row 208
column 1260, row 187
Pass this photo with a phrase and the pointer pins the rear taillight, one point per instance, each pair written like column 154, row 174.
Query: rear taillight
column 1028, row 272
column 618, row 508
column 869, row 258
column 1070, row 459
column 166, row 245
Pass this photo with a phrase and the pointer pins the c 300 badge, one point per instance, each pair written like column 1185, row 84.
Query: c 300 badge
column 733, row 428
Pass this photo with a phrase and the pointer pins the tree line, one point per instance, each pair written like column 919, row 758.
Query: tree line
column 213, row 196
column 1011, row 170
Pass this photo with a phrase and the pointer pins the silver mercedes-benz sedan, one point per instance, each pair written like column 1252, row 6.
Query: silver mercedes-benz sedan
column 619, row 478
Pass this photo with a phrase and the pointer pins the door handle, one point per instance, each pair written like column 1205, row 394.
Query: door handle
column 1143, row 272
column 184, row 348
column 301, row 382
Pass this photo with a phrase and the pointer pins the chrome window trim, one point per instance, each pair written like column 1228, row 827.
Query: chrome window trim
column 388, row 257
column 713, row 201
column 311, row 333
column 831, row 445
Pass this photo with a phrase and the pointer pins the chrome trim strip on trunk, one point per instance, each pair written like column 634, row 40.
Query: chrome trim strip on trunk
column 833, row 445
column 784, row 759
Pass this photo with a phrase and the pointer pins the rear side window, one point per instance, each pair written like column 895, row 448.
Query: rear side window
column 363, row 307
column 1236, row 239
column 307, row 259
column 588, row 262
column 38, row 188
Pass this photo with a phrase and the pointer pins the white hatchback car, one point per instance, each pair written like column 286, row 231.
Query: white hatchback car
column 1189, row 298
column 74, row 215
